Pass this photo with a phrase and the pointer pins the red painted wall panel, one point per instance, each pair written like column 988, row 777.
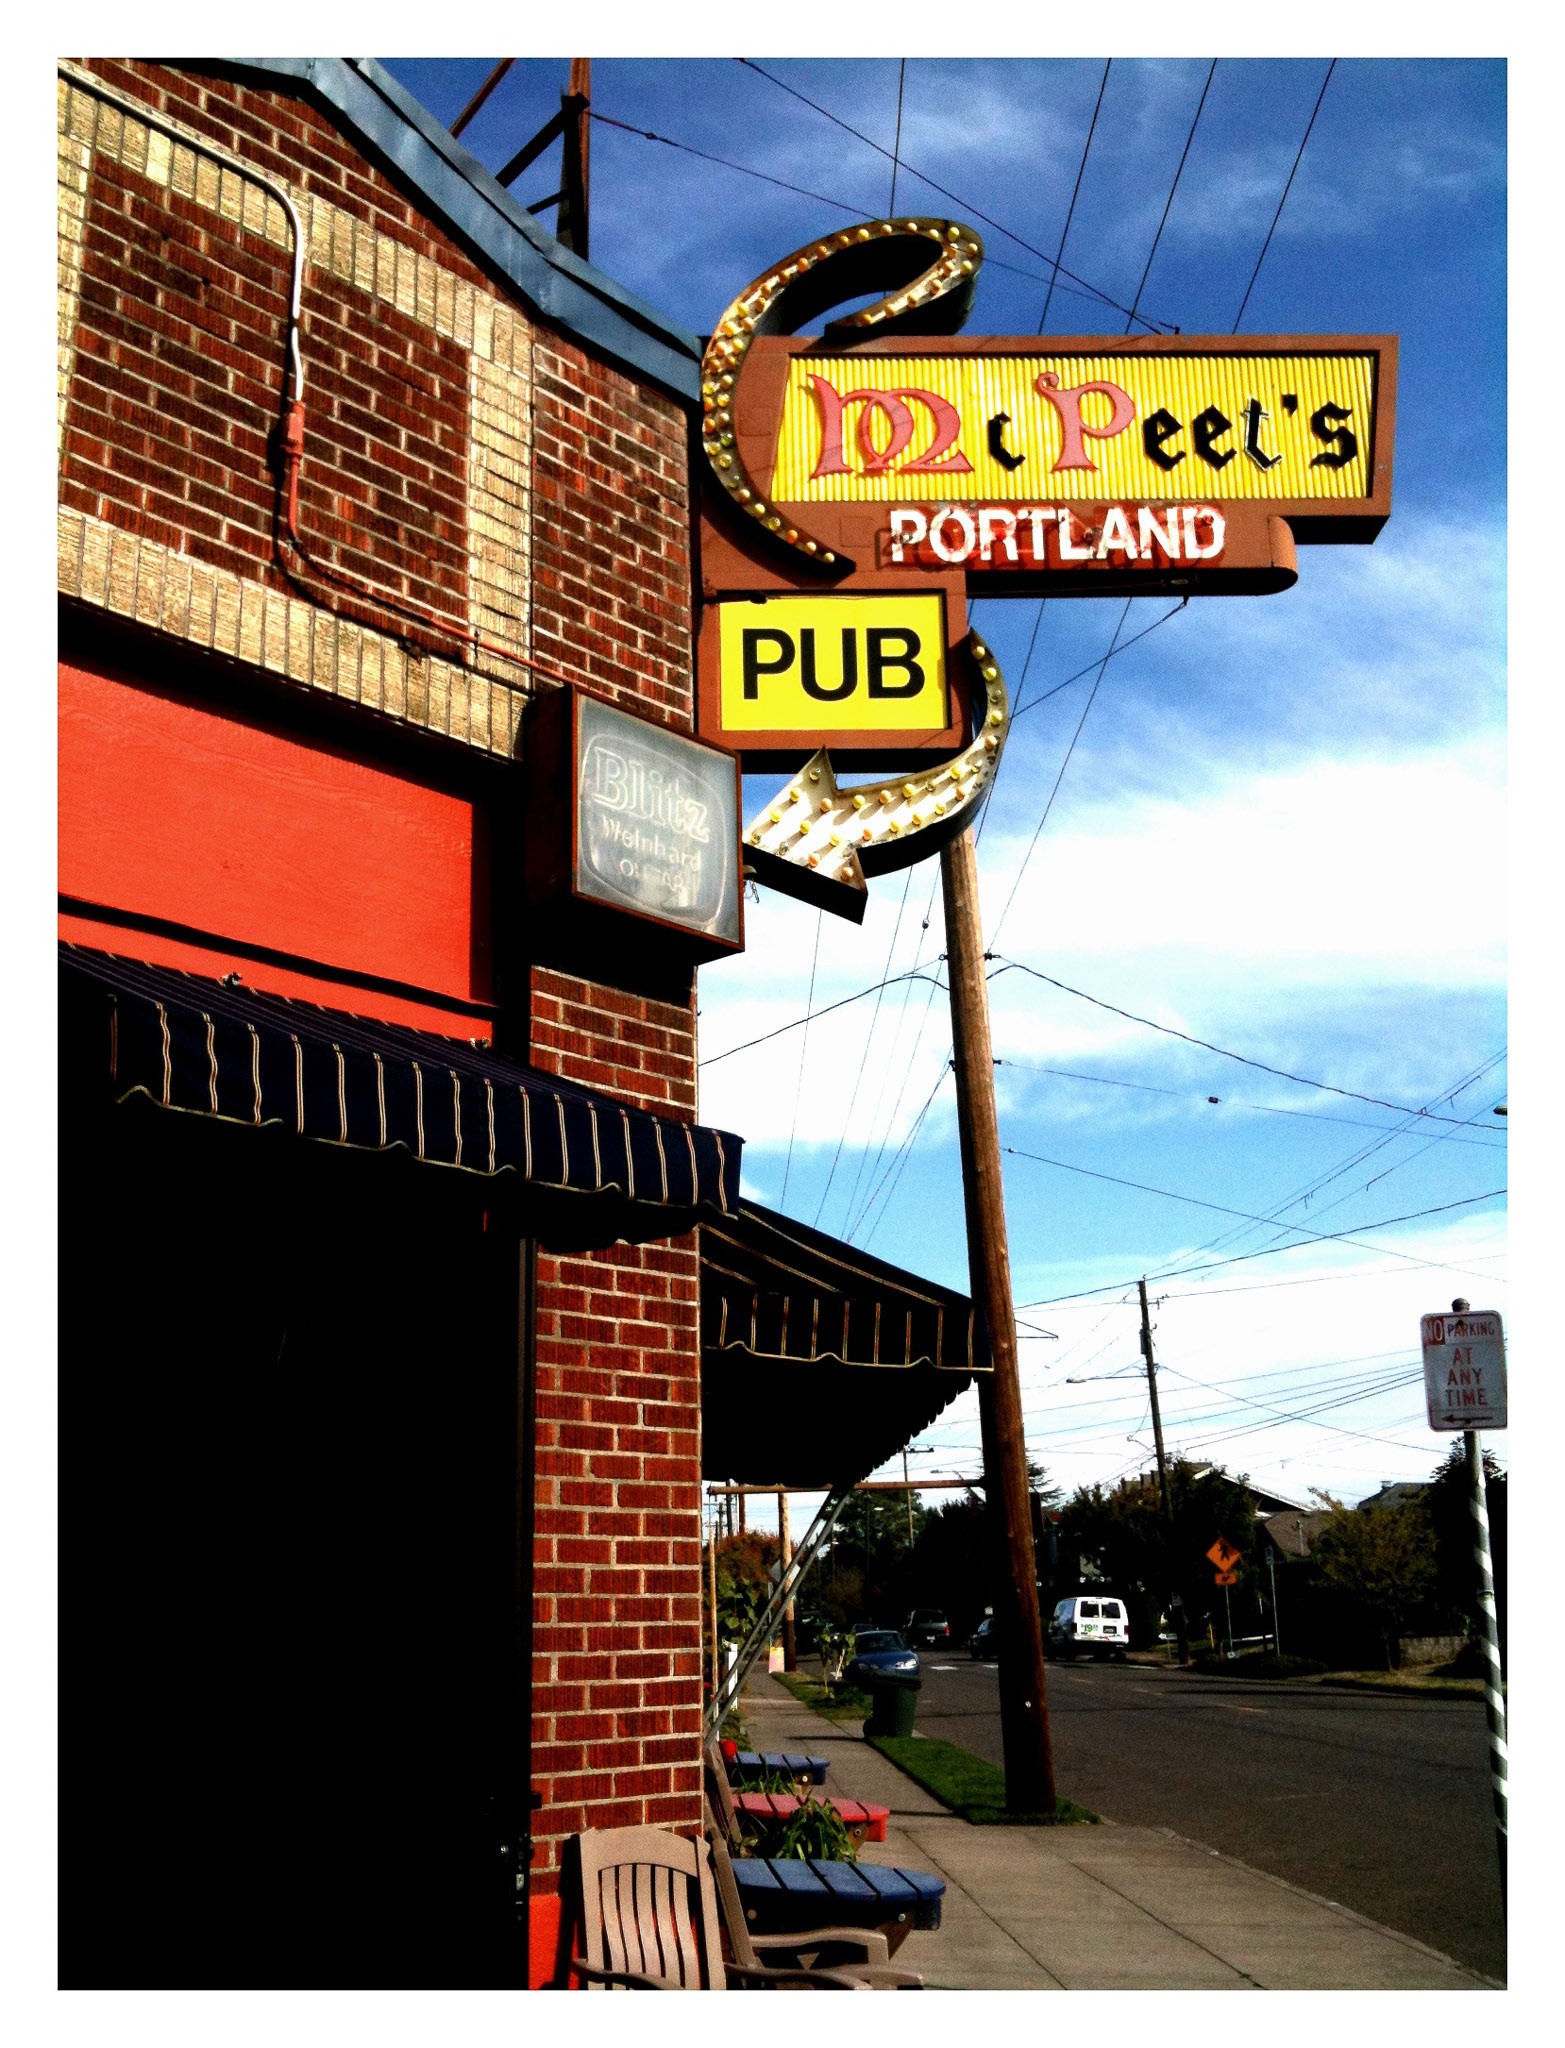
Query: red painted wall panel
column 179, row 812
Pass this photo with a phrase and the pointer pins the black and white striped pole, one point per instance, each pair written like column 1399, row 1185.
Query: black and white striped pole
column 1493, row 1695
column 1464, row 1382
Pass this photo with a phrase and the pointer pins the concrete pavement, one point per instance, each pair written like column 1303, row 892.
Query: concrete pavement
column 1098, row 1908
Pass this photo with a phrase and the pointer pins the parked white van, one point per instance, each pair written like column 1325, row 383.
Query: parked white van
column 1089, row 1625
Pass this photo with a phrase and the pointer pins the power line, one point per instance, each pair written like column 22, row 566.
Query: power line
column 849, row 1210
column 902, row 1156
column 1221, row 1209
column 869, row 1035
column 825, row 199
column 1277, row 216
column 824, row 1011
column 1229, row 1102
column 1070, row 211
column 1056, row 269
column 896, row 147
column 907, row 1073
column 1102, row 660
column 1313, row 1186
column 1168, row 203
column 804, row 1047
column 1282, row 1074
column 1053, row 793
column 1270, row 1251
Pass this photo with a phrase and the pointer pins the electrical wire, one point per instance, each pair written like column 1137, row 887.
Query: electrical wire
column 1240, row 1258
column 1070, row 211
column 896, row 146
column 1054, row 792
column 1206, row 1045
column 804, row 1049
column 1168, row 203
column 891, row 1122
column 869, row 1035
column 1196, row 1202
column 805, row 192
column 1228, row 1102
column 880, row 1092
column 1313, row 1186
column 824, row 1011
column 903, row 1154
column 956, row 199
column 1277, row 216
column 1123, row 648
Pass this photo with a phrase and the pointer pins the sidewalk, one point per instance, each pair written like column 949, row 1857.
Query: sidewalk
column 1098, row 1908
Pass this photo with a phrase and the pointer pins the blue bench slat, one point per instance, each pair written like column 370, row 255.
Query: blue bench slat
column 751, row 1874
column 748, row 1760
column 883, row 1883
column 844, row 1880
column 796, row 1877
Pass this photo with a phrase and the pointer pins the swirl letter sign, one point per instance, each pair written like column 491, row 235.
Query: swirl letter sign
column 885, row 465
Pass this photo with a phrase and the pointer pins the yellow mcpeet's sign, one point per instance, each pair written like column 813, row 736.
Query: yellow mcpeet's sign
column 1035, row 428
column 834, row 664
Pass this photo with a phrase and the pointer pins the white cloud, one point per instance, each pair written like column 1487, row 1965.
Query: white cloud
column 1376, row 873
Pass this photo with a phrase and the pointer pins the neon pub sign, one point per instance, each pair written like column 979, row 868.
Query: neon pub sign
column 864, row 483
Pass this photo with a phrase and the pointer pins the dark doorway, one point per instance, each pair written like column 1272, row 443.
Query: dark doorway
column 293, row 1737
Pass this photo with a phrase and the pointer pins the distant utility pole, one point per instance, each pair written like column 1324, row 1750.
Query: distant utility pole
column 907, row 1489
column 1024, row 1706
column 1175, row 1596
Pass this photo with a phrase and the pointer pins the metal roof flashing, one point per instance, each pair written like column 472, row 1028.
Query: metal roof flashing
column 569, row 294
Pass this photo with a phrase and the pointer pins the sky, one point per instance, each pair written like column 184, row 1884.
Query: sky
column 1279, row 827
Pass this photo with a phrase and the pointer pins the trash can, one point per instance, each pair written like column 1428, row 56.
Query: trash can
column 893, row 1703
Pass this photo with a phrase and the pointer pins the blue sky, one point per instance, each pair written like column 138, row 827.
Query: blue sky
column 1282, row 825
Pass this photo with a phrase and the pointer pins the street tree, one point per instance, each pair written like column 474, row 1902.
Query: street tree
column 1380, row 1561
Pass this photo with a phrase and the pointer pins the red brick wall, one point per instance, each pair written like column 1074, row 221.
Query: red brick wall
column 180, row 364
column 611, row 534
column 176, row 389
column 617, row 1555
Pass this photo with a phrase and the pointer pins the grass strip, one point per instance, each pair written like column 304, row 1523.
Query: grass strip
column 968, row 1784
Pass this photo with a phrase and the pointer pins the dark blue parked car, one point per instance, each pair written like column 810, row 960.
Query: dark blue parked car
column 877, row 1651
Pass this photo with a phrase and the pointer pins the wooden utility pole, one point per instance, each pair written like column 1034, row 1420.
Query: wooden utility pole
column 575, row 185
column 1024, row 1707
column 1176, row 1598
column 785, row 1558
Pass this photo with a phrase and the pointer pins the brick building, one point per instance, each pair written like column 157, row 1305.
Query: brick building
column 381, row 1417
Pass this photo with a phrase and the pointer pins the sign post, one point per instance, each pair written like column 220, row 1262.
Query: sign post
column 1464, row 1381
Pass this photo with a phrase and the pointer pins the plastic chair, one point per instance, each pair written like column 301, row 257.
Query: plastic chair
column 648, row 1921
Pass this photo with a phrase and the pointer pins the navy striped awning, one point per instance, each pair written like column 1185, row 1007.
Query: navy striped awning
column 188, row 1042
column 818, row 1362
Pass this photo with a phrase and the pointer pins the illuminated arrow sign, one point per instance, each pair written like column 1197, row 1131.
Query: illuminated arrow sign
column 818, row 842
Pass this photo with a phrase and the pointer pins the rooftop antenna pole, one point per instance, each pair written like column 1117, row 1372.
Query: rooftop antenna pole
column 576, row 105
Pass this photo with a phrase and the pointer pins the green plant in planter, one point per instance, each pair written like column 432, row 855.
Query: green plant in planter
column 814, row 1830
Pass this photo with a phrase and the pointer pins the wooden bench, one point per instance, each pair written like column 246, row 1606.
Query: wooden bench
column 778, row 1894
column 750, row 1763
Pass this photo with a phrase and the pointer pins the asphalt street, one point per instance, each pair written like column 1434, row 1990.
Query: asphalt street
column 1380, row 1803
